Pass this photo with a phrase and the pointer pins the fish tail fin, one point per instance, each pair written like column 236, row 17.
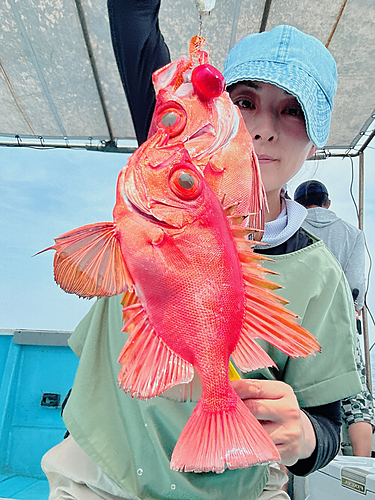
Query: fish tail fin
column 212, row 441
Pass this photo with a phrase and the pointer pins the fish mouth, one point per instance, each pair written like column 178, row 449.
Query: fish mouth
column 225, row 131
column 147, row 215
column 207, row 129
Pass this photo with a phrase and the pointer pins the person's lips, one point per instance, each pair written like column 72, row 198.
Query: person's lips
column 264, row 159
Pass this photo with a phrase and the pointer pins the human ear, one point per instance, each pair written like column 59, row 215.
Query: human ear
column 311, row 151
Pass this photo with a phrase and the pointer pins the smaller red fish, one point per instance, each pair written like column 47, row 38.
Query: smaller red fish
column 193, row 107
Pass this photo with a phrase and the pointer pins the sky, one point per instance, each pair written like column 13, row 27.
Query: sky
column 44, row 193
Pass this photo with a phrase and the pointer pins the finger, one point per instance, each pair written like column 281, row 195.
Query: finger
column 273, row 430
column 266, row 409
column 260, row 389
column 281, row 410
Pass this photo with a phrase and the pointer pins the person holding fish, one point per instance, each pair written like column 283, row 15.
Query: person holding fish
column 195, row 290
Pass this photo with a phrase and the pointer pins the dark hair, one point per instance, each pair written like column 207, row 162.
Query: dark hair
column 231, row 87
column 320, row 199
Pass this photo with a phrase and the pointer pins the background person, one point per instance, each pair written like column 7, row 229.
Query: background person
column 347, row 243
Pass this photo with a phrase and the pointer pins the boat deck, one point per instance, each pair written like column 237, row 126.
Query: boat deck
column 36, row 371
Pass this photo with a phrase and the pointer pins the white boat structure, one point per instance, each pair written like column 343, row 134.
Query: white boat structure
column 60, row 88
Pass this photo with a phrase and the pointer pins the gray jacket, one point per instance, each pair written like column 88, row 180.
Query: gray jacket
column 346, row 242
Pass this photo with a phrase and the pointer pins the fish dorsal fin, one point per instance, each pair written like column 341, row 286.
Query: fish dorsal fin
column 265, row 316
column 89, row 263
column 148, row 366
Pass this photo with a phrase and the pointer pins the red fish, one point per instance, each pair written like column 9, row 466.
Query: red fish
column 193, row 108
column 201, row 296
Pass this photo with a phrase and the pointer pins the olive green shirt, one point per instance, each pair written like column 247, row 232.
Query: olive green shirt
column 132, row 440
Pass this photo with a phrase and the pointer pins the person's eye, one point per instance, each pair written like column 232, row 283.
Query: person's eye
column 244, row 103
column 294, row 111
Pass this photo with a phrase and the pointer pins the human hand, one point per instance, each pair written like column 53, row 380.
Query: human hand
column 275, row 405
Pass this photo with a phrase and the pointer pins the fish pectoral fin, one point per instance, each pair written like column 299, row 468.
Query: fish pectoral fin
column 89, row 263
column 148, row 366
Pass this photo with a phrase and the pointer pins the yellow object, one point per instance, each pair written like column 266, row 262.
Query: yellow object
column 233, row 374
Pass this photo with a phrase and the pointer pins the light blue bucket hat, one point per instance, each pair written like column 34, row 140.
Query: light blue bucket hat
column 294, row 61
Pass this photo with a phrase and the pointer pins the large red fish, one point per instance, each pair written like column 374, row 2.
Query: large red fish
column 201, row 296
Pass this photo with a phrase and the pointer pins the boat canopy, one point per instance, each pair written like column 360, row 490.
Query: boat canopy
column 60, row 87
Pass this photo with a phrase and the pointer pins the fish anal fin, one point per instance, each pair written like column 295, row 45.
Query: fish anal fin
column 191, row 391
column 131, row 309
column 89, row 263
column 213, row 441
column 148, row 366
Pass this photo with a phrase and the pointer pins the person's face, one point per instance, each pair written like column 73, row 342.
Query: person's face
column 276, row 123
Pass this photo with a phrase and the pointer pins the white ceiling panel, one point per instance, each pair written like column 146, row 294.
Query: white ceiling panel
column 50, row 88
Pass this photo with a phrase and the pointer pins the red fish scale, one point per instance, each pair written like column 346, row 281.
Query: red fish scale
column 191, row 301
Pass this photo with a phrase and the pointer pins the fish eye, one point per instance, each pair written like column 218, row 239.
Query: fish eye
column 185, row 183
column 171, row 117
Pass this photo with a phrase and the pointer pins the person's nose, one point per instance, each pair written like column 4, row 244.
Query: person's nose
column 265, row 128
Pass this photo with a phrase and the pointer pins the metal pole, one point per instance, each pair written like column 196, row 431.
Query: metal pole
column 367, row 349
column 366, row 343
column 361, row 190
